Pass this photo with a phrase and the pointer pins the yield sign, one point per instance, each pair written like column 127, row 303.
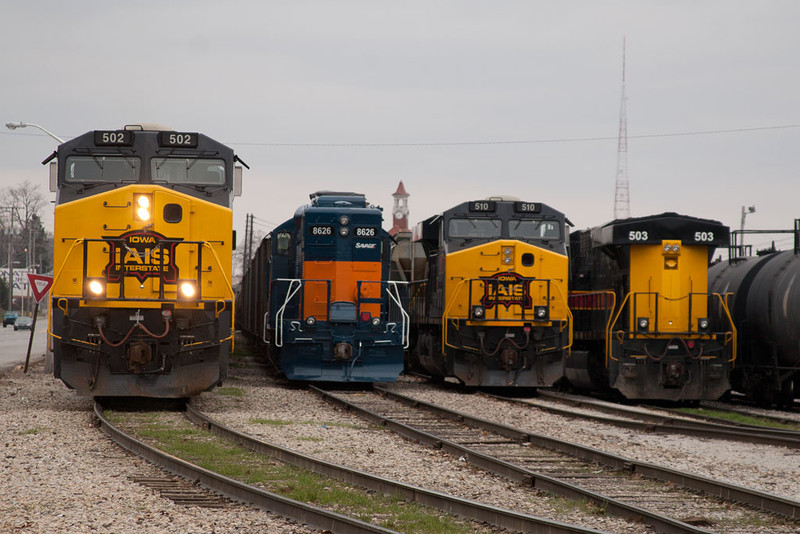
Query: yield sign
column 40, row 285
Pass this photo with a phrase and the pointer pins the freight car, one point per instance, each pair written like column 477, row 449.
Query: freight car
column 317, row 298
column 765, row 304
column 489, row 296
column 640, row 299
column 141, row 303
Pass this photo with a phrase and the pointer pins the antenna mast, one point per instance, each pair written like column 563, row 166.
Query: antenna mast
column 622, row 208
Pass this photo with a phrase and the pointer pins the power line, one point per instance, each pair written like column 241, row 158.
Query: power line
column 490, row 142
column 515, row 142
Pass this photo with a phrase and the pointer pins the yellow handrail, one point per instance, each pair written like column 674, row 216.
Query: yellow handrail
column 56, row 276
column 733, row 333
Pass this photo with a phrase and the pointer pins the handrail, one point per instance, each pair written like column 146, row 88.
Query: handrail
column 459, row 287
column 446, row 314
column 621, row 333
column 569, row 315
column 56, row 276
column 734, row 333
column 279, row 315
column 404, row 329
column 230, row 290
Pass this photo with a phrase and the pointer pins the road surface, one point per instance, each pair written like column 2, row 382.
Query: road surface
column 14, row 344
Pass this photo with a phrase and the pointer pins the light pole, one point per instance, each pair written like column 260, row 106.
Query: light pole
column 20, row 124
column 751, row 209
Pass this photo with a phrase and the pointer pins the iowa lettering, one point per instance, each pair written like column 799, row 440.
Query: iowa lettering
column 144, row 239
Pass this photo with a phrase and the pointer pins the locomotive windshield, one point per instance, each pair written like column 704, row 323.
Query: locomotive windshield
column 533, row 229
column 475, row 228
column 177, row 170
column 115, row 169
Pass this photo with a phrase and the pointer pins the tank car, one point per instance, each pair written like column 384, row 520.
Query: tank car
column 141, row 302
column 489, row 294
column 765, row 304
column 317, row 296
column 640, row 299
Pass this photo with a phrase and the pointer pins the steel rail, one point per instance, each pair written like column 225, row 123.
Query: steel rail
column 233, row 489
column 508, row 470
column 448, row 503
column 761, row 500
column 666, row 424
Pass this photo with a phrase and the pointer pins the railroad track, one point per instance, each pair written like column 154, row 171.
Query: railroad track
column 623, row 487
column 320, row 518
column 665, row 422
column 238, row 491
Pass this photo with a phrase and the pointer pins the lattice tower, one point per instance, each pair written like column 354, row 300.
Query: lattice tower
column 622, row 207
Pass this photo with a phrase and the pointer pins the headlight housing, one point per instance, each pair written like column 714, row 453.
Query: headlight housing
column 143, row 207
column 187, row 290
column 95, row 288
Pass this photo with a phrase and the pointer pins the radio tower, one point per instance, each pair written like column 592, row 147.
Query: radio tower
column 622, row 207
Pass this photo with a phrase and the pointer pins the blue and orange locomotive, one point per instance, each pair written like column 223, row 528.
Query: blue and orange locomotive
column 317, row 294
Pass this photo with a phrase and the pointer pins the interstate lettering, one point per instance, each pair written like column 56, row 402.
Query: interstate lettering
column 141, row 254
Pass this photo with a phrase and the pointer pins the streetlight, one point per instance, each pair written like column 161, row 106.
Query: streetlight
column 751, row 209
column 15, row 125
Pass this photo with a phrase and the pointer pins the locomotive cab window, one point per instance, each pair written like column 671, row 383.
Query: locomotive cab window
column 188, row 170
column 533, row 229
column 102, row 169
column 474, row 228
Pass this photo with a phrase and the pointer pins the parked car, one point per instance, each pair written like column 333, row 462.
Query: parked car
column 23, row 323
column 9, row 318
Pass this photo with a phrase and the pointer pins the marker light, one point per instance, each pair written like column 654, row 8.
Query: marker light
column 344, row 220
column 343, row 231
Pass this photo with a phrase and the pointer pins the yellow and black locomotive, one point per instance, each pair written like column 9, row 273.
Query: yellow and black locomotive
column 491, row 308
column 142, row 303
column 640, row 298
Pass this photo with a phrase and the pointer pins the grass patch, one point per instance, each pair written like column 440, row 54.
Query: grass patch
column 173, row 434
column 738, row 418
column 229, row 392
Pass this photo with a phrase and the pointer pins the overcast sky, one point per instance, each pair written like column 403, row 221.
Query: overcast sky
column 464, row 99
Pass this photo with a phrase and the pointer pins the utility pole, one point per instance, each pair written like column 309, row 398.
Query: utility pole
column 622, row 208
column 10, row 233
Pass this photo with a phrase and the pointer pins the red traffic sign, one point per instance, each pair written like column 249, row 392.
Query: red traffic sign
column 40, row 285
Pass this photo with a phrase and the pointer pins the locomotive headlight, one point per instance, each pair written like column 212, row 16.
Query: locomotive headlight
column 643, row 324
column 676, row 248
column 187, row 289
column 703, row 324
column 507, row 260
column 311, row 320
column 343, row 231
column 478, row 312
column 667, row 248
column 541, row 312
column 507, row 251
column 142, row 204
column 96, row 287
column 344, row 220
